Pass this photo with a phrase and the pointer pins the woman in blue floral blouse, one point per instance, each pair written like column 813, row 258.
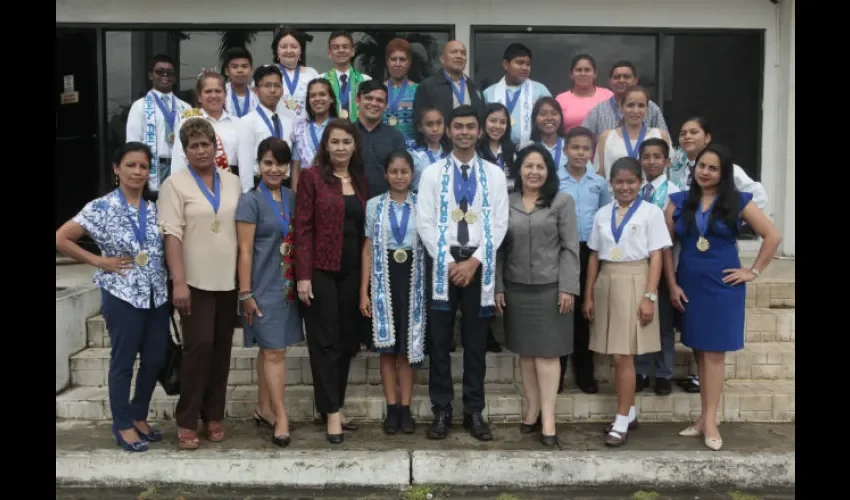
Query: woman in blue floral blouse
column 131, row 274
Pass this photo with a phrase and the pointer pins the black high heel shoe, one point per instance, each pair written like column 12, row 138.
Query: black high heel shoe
column 261, row 420
column 549, row 441
column 528, row 429
column 282, row 441
column 335, row 438
column 322, row 419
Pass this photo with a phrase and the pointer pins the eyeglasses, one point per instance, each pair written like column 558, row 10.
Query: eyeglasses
column 163, row 72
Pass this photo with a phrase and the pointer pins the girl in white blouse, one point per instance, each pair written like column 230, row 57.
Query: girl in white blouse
column 286, row 51
column 628, row 236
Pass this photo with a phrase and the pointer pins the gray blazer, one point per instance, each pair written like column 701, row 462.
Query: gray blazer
column 540, row 247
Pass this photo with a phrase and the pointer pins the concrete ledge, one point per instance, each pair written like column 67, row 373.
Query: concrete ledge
column 235, row 467
column 625, row 468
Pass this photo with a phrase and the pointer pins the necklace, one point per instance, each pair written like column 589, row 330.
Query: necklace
column 343, row 178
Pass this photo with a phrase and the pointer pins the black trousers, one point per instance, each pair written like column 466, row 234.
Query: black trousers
column 582, row 356
column 473, row 338
column 332, row 335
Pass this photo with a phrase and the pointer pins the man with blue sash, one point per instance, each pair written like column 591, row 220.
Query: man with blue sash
column 154, row 119
column 463, row 218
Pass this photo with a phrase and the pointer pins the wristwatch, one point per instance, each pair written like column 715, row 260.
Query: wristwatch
column 651, row 296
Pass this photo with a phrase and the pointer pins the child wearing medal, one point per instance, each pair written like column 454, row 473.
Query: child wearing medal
column 623, row 271
column 431, row 141
column 654, row 160
column 392, row 288
column 709, row 285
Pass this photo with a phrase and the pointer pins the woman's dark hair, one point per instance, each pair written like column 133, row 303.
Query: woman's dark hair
column 133, row 147
column 550, row 185
column 508, row 147
column 356, row 167
column 398, row 153
column 726, row 208
column 280, row 152
column 327, row 84
column 445, row 143
column 626, row 163
column 583, row 57
column 288, row 32
column 535, row 132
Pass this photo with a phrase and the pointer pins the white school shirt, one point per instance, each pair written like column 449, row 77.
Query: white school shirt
column 136, row 122
column 306, row 75
column 252, row 129
column 645, row 232
column 428, row 211
column 227, row 131
column 253, row 100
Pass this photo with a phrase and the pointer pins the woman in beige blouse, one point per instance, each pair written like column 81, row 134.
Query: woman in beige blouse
column 537, row 279
column 197, row 209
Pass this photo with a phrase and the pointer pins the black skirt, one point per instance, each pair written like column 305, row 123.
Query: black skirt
column 400, row 292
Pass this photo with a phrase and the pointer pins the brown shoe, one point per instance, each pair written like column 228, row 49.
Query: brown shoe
column 615, row 438
column 214, row 431
column 187, row 439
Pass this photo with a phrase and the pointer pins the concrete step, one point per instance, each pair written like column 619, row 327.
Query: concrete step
column 763, row 324
column 742, row 401
column 758, row 361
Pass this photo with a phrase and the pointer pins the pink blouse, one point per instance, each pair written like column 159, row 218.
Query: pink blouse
column 576, row 108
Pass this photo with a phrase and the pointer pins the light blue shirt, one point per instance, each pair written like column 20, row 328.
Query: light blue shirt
column 422, row 160
column 590, row 194
column 307, row 136
column 538, row 90
column 398, row 209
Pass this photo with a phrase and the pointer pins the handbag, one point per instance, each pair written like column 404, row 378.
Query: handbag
column 169, row 376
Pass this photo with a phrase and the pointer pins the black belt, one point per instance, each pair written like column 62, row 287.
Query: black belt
column 462, row 253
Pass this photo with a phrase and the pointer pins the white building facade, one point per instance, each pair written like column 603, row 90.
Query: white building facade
column 676, row 34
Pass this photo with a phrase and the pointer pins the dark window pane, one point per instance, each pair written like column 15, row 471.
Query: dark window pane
column 553, row 53
column 718, row 76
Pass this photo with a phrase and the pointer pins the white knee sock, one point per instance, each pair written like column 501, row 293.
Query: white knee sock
column 621, row 424
column 632, row 413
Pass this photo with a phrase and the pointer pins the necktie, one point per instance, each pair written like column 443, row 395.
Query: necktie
column 648, row 191
column 278, row 132
column 691, row 168
column 166, row 102
column 462, row 225
column 344, row 94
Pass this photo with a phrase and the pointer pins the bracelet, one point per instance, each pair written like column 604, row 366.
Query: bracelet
column 243, row 296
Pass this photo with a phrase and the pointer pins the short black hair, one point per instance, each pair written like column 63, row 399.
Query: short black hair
column 339, row 33
column 399, row 153
column 463, row 111
column 160, row 58
column 624, row 64
column 578, row 132
column 264, row 71
column 370, row 86
column 237, row 53
column 655, row 141
column 515, row 50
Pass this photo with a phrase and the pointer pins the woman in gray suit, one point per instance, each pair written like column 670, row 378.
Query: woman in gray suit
column 537, row 280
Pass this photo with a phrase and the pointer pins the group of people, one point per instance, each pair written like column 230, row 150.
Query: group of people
column 374, row 210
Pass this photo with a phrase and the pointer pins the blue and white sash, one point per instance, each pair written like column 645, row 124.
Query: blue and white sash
column 480, row 204
column 156, row 177
column 383, row 329
column 526, row 104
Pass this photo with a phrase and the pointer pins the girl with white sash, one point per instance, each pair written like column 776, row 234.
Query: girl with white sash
column 286, row 52
column 321, row 107
column 431, row 141
column 392, row 288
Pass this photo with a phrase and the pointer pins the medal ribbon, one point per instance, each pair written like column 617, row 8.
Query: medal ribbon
column 313, row 136
column 458, row 90
column 291, row 85
column 169, row 116
column 269, row 123
column 501, row 161
column 511, row 103
column 618, row 231
column 465, row 188
column 282, row 217
column 399, row 231
column 431, row 154
column 233, row 97
column 701, row 217
column 559, row 149
column 140, row 229
column 629, row 151
column 395, row 99
column 214, row 199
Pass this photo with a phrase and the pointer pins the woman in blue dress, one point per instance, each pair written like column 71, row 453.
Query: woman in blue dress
column 132, row 277
column 706, row 220
column 267, row 281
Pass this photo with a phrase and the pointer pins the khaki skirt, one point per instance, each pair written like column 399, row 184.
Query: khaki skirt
column 617, row 294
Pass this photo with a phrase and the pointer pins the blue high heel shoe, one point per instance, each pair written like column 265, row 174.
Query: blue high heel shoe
column 153, row 436
column 135, row 446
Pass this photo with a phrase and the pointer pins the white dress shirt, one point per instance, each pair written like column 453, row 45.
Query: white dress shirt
column 305, row 76
column 428, row 213
column 227, row 131
column 136, row 122
column 252, row 130
column 253, row 100
column 645, row 232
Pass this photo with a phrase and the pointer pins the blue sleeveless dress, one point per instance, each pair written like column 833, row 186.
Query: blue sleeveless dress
column 714, row 315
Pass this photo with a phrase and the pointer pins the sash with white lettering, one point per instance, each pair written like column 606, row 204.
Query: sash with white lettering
column 156, row 175
column 480, row 204
column 525, row 105
column 383, row 328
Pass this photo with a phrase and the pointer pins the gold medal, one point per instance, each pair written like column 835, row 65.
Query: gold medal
column 142, row 258
column 616, row 254
column 457, row 215
column 285, row 249
column 513, row 121
column 400, row 256
column 291, row 104
column 393, row 121
column 471, row 217
column 702, row 244
column 343, row 113
column 170, row 138
column 216, row 225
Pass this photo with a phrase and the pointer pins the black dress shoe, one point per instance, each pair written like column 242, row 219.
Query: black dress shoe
column 406, row 422
column 528, row 429
column 641, row 383
column 439, row 427
column 282, row 441
column 663, row 387
column 335, row 438
column 476, row 426
column 588, row 386
column 549, row 440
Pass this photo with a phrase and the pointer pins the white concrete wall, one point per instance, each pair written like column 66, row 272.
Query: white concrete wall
column 776, row 20
column 73, row 307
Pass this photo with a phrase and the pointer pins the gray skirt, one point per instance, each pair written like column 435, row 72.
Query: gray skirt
column 533, row 325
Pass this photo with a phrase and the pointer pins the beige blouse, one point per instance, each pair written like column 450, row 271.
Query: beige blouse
column 209, row 258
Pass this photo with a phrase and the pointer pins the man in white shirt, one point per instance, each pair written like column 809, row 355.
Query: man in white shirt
column 155, row 119
column 462, row 218
column 344, row 79
column 263, row 122
column 239, row 69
